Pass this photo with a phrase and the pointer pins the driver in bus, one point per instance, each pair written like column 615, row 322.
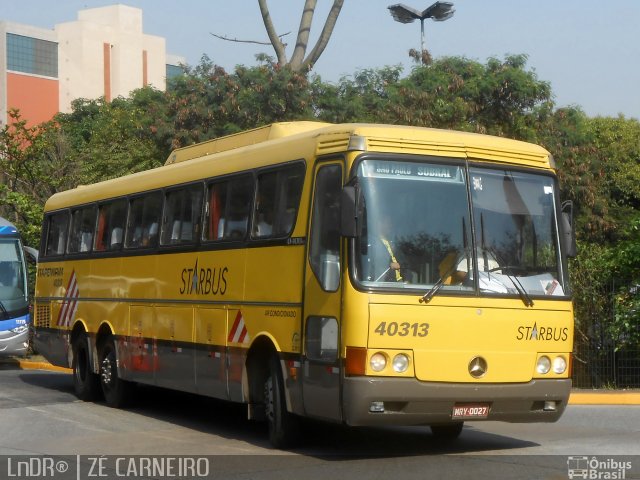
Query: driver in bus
column 383, row 254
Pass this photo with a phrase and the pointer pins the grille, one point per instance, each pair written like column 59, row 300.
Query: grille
column 43, row 316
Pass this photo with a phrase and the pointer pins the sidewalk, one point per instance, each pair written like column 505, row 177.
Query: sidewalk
column 578, row 396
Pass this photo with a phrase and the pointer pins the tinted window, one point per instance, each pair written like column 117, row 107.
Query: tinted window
column 57, row 228
column 227, row 209
column 324, row 250
column 144, row 221
column 83, row 221
column 182, row 215
column 277, row 199
column 110, row 228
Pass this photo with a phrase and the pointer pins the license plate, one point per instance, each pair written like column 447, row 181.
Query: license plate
column 470, row 410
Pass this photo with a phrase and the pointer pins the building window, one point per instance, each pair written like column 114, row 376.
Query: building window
column 174, row 71
column 32, row 55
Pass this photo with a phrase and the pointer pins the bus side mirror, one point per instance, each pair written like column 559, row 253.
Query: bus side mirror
column 568, row 232
column 348, row 215
column 31, row 254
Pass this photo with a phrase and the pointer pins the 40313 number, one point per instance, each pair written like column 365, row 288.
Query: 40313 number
column 403, row 329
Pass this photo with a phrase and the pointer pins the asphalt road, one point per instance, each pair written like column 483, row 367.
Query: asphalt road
column 39, row 415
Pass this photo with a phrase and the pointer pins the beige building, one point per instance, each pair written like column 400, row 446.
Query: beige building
column 103, row 53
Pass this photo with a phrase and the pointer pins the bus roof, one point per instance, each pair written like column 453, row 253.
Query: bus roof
column 242, row 139
column 188, row 163
column 7, row 228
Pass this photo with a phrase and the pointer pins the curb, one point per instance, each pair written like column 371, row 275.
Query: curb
column 604, row 398
column 577, row 397
column 27, row 365
column 24, row 364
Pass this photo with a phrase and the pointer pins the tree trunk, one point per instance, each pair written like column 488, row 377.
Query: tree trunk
column 298, row 61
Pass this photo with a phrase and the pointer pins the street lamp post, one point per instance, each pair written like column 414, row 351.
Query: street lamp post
column 439, row 11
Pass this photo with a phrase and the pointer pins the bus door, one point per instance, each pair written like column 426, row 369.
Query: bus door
column 321, row 325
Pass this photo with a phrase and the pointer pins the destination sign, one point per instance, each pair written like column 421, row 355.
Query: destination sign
column 412, row 171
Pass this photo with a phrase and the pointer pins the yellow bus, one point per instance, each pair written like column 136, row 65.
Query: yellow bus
column 361, row 274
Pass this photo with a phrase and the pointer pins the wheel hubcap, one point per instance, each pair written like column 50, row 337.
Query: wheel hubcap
column 268, row 399
column 106, row 371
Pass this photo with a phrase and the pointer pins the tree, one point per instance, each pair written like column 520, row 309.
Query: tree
column 209, row 102
column 110, row 139
column 500, row 98
column 33, row 166
column 298, row 62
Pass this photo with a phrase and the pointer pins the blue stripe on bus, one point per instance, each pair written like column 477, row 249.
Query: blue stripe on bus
column 14, row 322
column 6, row 230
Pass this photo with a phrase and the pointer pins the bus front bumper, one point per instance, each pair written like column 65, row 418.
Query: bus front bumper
column 14, row 343
column 400, row 401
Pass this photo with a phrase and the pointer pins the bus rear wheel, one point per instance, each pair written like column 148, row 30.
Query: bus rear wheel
column 117, row 392
column 284, row 427
column 447, row 432
column 85, row 382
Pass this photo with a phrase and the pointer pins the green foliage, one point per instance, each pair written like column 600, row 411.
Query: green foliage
column 598, row 167
column 110, row 139
column 32, row 168
column 208, row 102
column 500, row 98
column 363, row 98
column 592, row 284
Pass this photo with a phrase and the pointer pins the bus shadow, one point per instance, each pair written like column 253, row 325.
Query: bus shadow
column 320, row 439
column 60, row 382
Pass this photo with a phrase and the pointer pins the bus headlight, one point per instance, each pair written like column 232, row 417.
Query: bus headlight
column 559, row 365
column 378, row 361
column 544, row 365
column 400, row 363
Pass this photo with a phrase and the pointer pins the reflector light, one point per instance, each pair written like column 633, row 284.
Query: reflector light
column 356, row 361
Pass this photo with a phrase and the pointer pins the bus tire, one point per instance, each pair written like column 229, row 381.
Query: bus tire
column 284, row 427
column 117, row 392
column 447, row 432
column 85, row 383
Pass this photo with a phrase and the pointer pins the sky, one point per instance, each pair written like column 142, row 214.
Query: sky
column 589, row 50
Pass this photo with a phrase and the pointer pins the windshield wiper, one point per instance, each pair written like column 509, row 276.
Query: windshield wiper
column 426, row 298
column 5, row 314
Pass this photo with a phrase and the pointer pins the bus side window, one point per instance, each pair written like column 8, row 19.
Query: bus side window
column 144, row 217
column 239, row 207
column 83, row 221
column 277, row 200
column 58, row 225
column 215, row 211
column 111, row 218
column 181, row 221
column 324, row 247
column 227, row 209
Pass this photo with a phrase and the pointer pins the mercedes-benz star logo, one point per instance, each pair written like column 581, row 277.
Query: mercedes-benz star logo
column 477, row 367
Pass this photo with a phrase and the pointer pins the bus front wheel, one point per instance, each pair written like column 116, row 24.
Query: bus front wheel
column 284, row 428
column 85, row 382
column 116, row 391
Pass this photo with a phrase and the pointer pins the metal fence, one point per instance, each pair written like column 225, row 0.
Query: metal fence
column 595, row 366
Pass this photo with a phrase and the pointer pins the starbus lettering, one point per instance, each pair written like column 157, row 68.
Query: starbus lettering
column 556, row 334
column 204, row 281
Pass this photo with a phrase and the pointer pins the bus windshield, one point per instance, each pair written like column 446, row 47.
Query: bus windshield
column 435, row 225
column 13, row 279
